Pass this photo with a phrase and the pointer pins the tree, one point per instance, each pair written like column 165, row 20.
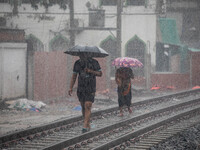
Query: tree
column 47, row 3
column 34, row 3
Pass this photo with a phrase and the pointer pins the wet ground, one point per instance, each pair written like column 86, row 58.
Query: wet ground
column 18, row 119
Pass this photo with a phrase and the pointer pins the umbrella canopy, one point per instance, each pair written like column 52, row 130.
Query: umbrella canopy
column 127, row 62
column 92, row 51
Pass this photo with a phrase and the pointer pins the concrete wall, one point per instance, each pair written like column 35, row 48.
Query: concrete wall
column 1, row 74
column 165, row 80
column 195, row 68
column 12, row 70
column 52, row 76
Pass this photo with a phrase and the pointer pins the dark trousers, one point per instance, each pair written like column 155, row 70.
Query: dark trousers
column 124, row 99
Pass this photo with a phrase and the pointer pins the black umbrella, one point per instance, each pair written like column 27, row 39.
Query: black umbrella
column 92, row 51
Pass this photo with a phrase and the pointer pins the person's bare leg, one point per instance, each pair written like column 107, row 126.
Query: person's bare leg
column 83, row 109
column 120, row 112
column 129, row 110
column 88, row 106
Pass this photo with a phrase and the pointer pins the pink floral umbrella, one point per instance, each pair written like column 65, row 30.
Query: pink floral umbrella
column 127, row 62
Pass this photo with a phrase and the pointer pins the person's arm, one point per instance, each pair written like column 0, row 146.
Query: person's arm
column 96, row 69
column 96, row 73
column 117, row 79
column 73, row 80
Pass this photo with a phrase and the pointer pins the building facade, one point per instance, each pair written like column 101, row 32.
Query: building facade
column 49, row 27
column 157, row 32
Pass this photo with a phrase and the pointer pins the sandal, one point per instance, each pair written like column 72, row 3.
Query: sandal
column 85, row 130
column 121, row 115
column 130, row 111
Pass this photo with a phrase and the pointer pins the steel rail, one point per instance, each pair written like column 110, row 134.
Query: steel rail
column 170, row 130
column 133, row 134
column 78, row 139
column 34, row 130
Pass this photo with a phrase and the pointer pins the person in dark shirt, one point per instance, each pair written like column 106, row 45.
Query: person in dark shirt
column 87, row 69
column 123, row 78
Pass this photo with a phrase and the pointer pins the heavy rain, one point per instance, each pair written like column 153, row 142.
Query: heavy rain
column 60, row 59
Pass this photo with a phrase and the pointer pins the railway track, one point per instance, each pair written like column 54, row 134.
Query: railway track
column 162, row 133
column 110, row 130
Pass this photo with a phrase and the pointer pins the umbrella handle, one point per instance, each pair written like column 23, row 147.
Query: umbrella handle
column 87, row 64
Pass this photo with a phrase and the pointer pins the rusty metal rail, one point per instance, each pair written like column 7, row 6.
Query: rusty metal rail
column 161, row 134
column 68, row 132
column 142, row 133
column 137, row 126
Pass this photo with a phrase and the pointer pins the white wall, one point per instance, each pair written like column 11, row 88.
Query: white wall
column 13, row 70
column 144, row 26
column 30, row 20
column 138, row 21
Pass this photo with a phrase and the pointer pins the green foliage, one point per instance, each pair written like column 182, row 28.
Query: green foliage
column 62, row 3
column 46, row 3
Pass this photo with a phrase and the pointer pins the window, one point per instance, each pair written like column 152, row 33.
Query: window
column 2, row 22
column 34, row 44
column 135, row 48
column 59, row 43
column 30, row 1
column 26, row 1
column 59, row 2
column 49, row 1
column 136, row 2
column 96, row 18
column 171, row 58
column 191, row 26
column 110, row 45
column 162, row 58
column 109, row 2
column 3, row 1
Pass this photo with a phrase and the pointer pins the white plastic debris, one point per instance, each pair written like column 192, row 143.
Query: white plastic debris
column 175, row 99
column 26, row 104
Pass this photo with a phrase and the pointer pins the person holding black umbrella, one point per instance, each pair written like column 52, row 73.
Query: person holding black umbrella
column 86, row 68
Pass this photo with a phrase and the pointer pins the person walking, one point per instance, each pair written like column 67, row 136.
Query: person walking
column 123, row 78
column 86, row 68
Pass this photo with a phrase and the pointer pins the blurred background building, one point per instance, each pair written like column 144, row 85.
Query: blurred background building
column 162, row 34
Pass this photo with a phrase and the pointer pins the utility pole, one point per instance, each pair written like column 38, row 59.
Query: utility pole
column 72, row 32
column 119, row 10
column 72, row 41
column 15, row 8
